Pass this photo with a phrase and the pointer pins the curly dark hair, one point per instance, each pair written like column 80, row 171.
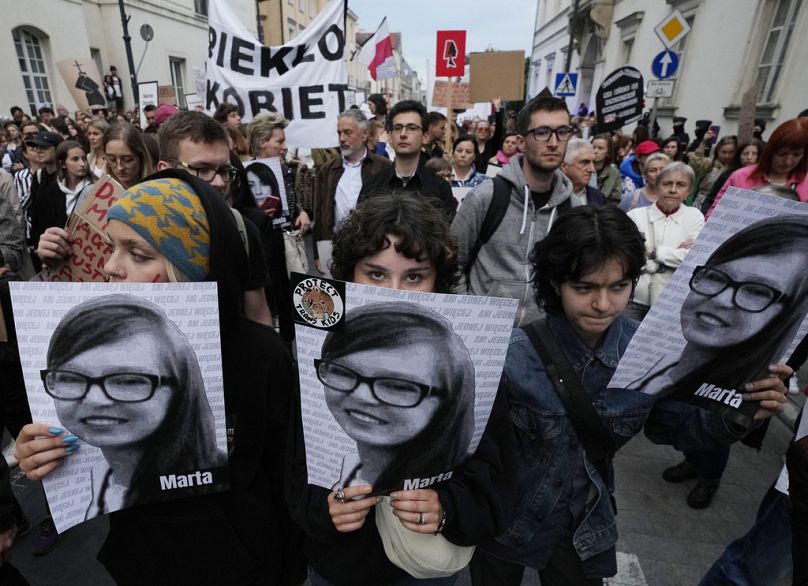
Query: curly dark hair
column 581, row 241
column 422, row 227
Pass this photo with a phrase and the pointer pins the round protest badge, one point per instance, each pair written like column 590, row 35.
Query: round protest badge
column 319, row 303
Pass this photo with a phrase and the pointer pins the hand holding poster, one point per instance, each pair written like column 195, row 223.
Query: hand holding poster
column 737, row 304
column 86, row 231
column 146, row 409
column 396, row 386
column 306, row 79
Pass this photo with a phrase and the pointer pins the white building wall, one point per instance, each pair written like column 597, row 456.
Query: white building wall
column 72, row 27
column 719, row 63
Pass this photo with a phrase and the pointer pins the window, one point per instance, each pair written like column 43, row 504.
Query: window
column 177, row 67
column 549, row 62
column 201, row 7
column 301, row 5
column 95, row 55
column 625, row 50
column 32, row 67
column 291, row 29
column 775, row 47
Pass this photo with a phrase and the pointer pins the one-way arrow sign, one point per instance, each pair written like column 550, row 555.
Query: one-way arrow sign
column 665, row 64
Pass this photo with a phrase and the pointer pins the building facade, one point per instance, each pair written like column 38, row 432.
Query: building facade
column 282, row 20
column 733, row 46
column 38, row 33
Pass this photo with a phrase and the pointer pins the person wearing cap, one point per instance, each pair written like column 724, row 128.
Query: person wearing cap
column 163, row 113
column 679, row 130
column 244, row 535
column 631, row 169
column 41, row 153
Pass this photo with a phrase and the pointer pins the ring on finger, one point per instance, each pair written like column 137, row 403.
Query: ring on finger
column 340, row 495
column 420, row 518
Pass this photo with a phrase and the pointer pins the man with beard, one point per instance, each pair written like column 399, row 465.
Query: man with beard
column 338, row 183
column 496, row 234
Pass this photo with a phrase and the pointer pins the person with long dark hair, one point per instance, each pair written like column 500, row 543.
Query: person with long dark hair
column 401, row 241
column 243, row 535
column 156, row 397
column 424, row 413
column 744, row 308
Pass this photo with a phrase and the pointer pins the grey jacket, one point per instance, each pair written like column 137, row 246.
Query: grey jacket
column 502, row 268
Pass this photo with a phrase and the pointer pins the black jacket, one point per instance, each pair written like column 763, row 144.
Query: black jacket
column 244, row 535
column 478, row 502
column 424, row 182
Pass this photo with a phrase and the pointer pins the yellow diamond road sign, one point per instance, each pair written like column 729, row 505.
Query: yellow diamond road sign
column 672, row 29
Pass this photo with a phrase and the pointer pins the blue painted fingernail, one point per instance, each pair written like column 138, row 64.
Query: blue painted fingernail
column 72, row 448
column 55, row 430
column 71, row 439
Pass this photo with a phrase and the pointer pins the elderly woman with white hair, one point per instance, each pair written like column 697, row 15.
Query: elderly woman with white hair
column 670, row 228
column 646, row 195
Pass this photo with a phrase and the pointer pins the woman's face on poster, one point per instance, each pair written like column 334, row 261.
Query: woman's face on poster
column 258, row 188
column 371, row 422
column 104, row 422
column 720, row 320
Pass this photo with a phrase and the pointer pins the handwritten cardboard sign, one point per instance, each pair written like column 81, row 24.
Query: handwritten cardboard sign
column 459, row 94
column 85, row 227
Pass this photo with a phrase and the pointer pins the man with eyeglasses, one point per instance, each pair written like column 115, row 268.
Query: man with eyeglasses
column 338, row 183
column 497, row 227
column 197, row 143
column 406, row 124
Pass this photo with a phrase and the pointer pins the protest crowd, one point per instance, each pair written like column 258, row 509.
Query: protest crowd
column 584, row 228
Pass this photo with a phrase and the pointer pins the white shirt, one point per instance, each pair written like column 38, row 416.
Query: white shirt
column 663, row 234
column 578, row 198
column 348, row 188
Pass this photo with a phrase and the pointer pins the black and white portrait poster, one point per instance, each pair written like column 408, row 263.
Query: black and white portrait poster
column 737, row 304
column 133, row 371
column 396, row 386
column 265, row 179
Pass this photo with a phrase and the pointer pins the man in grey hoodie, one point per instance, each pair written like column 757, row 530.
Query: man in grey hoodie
column 539, row 191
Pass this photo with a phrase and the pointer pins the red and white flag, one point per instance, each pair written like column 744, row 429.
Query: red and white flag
column 377, row 53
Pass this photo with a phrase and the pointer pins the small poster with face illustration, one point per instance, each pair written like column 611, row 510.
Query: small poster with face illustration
column 265, row 179
column 396, row 386
column 129, row 376
column 737, row 304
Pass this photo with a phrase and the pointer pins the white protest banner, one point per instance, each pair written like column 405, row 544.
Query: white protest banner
column 396, row 387
column 132, row 373
column 737, row 304
column 306, row 80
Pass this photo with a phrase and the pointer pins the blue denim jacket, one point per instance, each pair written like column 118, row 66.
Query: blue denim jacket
column 547, row 444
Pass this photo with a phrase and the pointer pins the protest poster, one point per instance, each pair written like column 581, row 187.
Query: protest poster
column 306, row 79
column 395, row 386
column 166, row 94
column 735, row 305
column 265, row 178
column 82, row 78
column 619, row 100
column 134, row 371
column 450, row 60
column 497, row 74
column 86, row 228
column 459, row 95
column 147, row 94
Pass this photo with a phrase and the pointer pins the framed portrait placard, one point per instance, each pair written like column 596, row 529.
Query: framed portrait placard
column 737, row 304
column 396, row 386
column 130, row 374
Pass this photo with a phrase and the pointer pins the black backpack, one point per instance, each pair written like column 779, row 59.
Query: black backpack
column 493, row 218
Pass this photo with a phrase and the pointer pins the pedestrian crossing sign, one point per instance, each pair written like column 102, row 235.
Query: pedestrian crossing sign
column 565, row 84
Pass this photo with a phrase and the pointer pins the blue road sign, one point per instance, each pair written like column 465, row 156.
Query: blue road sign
column 565, row 84
column 665, row 64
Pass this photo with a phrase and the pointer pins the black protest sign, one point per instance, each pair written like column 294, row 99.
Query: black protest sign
column 620, row 99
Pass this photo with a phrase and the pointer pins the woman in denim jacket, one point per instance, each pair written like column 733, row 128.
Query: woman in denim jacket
column 584, row 271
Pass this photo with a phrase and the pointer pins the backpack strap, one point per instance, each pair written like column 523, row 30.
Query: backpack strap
column 592, row 433
column 242, row 229
column 493, row 218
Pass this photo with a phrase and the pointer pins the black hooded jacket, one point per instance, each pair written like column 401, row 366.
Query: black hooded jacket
column 244, row 535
